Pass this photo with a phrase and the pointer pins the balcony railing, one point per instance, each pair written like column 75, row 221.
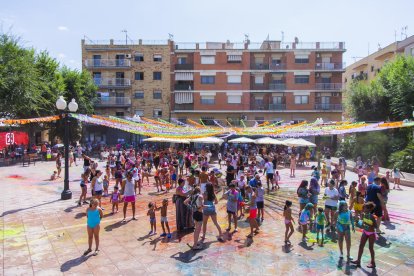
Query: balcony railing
column 112, row 82
column 184, row 86
column 107, row 63
column 179, row 107
column 259, row 66
column 277, row 66
column 113, row 101
column 328, row 107
column 277, row 106
column 264, row 106
column 330, row 66
column 277, row 86
column 328, row 86
column 184, row 67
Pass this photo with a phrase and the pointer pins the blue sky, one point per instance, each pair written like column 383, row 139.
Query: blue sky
column 59, row 25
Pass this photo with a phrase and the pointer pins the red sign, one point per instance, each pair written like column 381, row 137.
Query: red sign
column 14, row 137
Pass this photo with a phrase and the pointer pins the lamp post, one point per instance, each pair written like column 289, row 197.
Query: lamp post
column 72, row 107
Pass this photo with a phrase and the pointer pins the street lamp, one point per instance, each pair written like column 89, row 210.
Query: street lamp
column 72, row 107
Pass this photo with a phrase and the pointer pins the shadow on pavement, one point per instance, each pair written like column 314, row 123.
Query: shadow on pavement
column 115, row 225
column 187, row 256
column 27, row 208
column 65, row 267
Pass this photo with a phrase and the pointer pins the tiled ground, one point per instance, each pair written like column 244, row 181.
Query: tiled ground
column 42, row 235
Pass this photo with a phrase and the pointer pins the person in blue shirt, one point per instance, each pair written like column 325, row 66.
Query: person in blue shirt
column 254, row 181
column 373, row 194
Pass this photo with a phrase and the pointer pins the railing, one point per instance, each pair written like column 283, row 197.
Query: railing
column 277, row 86
column 328, row 107
column 113, row 101
column 330, row 66
column 328, row 86
column 259, row 66
column 124, row 42
column 112, row 82
column 102, row 63
column 277, row 106
column 184, row 87
column 277, row 66
column 184, row 107
column 184, row 67
column 276, row 45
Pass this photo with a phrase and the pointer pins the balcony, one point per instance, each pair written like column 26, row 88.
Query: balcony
column 184, row 67
column 330, row 66
column 179, row 107
column 183, row 86
column 264, row 106
column 328, row 86
column 107, row 63
column 113, row 102
column 331, row 107
column 277, row 67
column 259, row 66
column 277, row 86
column 112, row 82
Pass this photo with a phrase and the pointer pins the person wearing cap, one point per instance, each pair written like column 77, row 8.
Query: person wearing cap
column 304, row 219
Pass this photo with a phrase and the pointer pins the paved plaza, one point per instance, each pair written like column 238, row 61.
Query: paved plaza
column 43, row 235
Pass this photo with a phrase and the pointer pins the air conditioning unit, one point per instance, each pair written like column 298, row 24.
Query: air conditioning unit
column 318, row 55
column 128, row 56
column 335, row 94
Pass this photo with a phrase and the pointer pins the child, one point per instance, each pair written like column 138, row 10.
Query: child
column 118, row 176
column 397, row 177
column 368, row 224
column 254, row 226
column 352, row 190
column 53, row 176
column 361, row 172
column 115, row 199
column 108, row 171
column 164, row 219
column 240, row 204
column 287, row 213
column 232, row 202
column 362, row 186
column 358, row 204
column 260, row 202
column 304, row 219
column 151, row 213
column 342, row 190
column 94, row 215
column 106, row 185
column 320, row 224
column 277, row 179
column 343, row 227
column 324, row 176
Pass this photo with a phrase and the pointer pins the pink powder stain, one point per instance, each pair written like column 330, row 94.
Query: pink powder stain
column 15, row 176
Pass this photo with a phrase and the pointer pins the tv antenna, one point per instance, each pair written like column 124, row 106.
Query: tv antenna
column 404, row 32
column 127, row 37
column 283, row 36
column 170, row 36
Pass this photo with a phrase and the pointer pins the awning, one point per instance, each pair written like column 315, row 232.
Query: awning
column 184, row 76
column 234, row 58
column 184, row 98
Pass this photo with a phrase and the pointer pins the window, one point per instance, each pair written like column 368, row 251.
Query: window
column 234, row 99
column 277, row 100
column 157, row 75
column 139, row 75
column 139, row 95
column 119, row 114
column 139, row 57
column 157, row 95
column 182, row 60
column 301, row 59
column 208, row 121
column 97, row 77
column 234, row 79
column 157, row 113
column 139, row 112
column 207, row 100
column 301, row 99
column 372, row 68
column 208, row 79
column 157, row 58
column 301, row 79
column 259, row 79
column 208, row 59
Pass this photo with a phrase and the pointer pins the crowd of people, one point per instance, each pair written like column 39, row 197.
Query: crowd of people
column 249, row 172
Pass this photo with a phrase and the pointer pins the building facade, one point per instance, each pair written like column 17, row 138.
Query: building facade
column 132, row 79
column 256, row 82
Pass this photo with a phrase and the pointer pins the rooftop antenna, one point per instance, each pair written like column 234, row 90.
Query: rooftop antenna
column 126, row 36
column 87, row 38
column 379, row 46
column 246, row 38
column 170, row 36
column 283, row 36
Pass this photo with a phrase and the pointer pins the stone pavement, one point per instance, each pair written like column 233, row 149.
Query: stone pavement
column 43, row 235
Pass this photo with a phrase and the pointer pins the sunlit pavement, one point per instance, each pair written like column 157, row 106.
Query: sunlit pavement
column 43, row 235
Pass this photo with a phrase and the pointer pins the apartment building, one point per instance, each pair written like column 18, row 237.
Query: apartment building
column 367, row 68
column 133, row 78
column 256, row 82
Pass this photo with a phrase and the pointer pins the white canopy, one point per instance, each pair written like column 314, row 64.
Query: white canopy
column 269, row 141
column 208, row 140
column 242, row 140
column 298, row 143
column 167, row 140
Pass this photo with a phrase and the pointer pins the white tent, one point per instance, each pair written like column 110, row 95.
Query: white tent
column 241, row 140
column 208, row 140
column 269, row 141
column 299, row 143
column 167, row 140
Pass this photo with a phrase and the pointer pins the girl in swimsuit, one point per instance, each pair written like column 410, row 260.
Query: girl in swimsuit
column 94, row 215
column 287, row 213
column 368, row 224
column 343, row 226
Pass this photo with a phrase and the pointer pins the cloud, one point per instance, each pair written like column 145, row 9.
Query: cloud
column 63, row 28
column 61, row 55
